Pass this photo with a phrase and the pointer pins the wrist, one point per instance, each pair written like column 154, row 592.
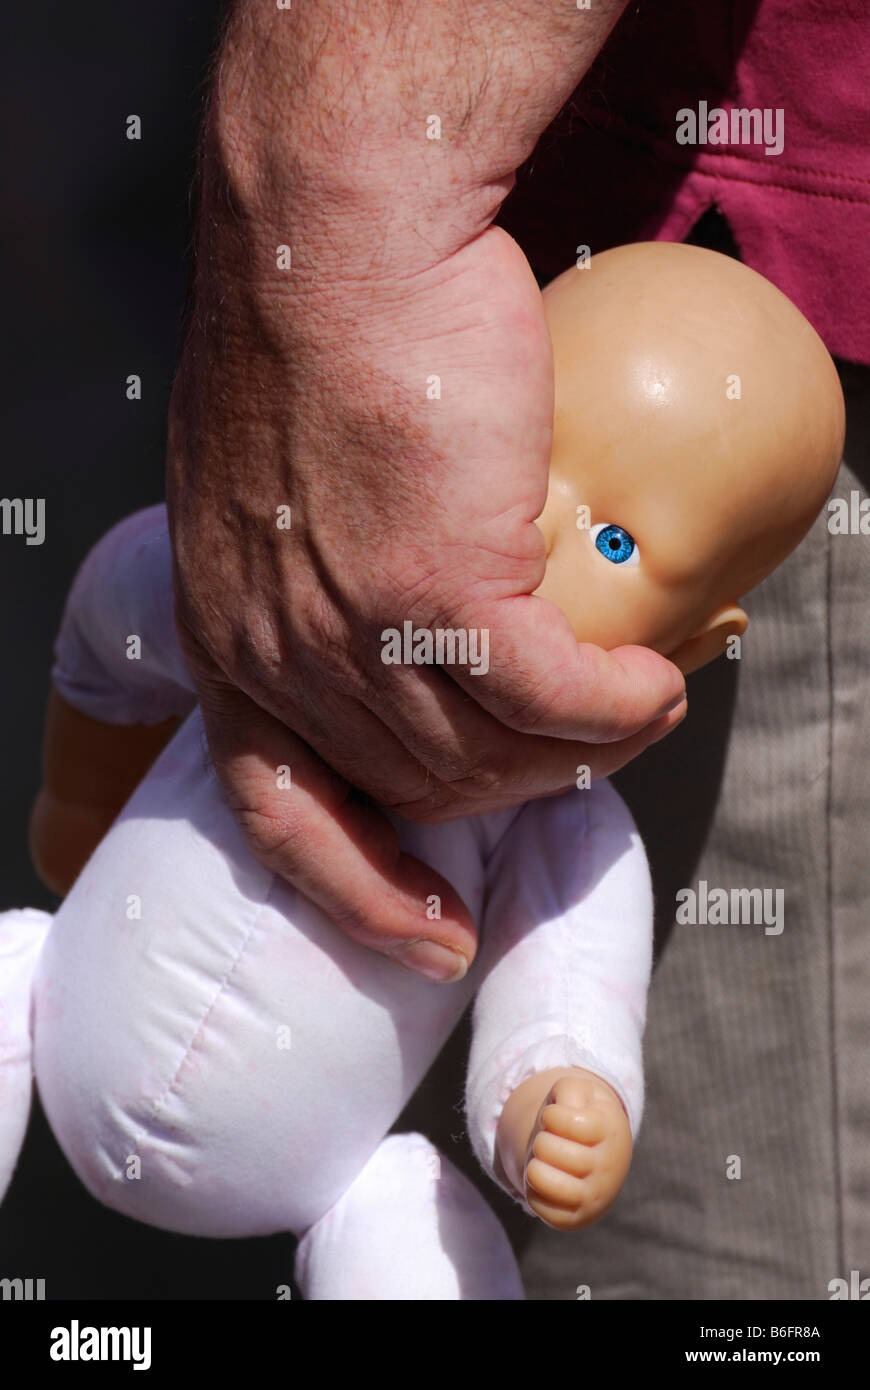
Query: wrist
column 382, row 136
column 311, row 128
column 283, row 206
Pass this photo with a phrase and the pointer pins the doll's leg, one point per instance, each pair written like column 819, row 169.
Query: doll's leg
column 214, row 1055
column 555, row 1081
column 411, row 1227
column 22, row 934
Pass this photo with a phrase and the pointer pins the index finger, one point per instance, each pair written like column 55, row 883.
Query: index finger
column 339, row 851
column 539, row 679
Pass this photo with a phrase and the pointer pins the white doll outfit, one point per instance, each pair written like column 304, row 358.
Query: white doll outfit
column 215, row 1057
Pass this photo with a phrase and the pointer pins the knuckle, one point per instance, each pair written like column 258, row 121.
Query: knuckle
column 430, row 806
column 452, row 796
column 269, row 837
column 532, row 708
column 430, row 813
column 322, row 632
column 481, row 778
column 522, row 702
column 373, row 684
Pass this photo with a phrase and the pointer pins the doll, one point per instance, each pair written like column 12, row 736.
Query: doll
column 213, row 1055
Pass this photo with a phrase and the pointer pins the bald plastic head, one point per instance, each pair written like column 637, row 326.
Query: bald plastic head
column 697, row 410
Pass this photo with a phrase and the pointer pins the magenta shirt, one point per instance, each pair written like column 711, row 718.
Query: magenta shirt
column 610, row 168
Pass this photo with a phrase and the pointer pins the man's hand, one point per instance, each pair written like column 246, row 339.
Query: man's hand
column 390, row 396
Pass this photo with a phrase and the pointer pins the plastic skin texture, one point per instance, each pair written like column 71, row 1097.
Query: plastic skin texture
column 698, row 429
column 697, row 410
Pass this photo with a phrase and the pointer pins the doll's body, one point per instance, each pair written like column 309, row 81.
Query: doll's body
column 687, row 497
column 259, row 1056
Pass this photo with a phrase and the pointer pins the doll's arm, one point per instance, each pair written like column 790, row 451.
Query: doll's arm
column 567, row 949
column 89, row 771
column 119, row 690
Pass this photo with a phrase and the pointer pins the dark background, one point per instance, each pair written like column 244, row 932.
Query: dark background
column 95, row 233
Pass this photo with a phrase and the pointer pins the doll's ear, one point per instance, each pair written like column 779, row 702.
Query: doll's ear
column 711, row 641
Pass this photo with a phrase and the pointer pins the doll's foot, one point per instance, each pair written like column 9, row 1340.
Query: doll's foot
column 565, row 1143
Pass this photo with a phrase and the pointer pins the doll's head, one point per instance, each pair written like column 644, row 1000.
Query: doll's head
column 699, row 419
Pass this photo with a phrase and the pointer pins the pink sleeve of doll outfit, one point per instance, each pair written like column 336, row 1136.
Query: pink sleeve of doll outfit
column 560, row 889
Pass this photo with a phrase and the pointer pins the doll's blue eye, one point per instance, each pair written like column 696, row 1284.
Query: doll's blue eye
column 615, row 544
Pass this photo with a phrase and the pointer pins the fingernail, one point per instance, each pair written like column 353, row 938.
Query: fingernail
column 669, row 728
column 675, row 703
column 433, row 960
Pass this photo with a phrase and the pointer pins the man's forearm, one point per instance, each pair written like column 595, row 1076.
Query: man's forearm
column 329, row 219
column 388, row 131
column 355, row 156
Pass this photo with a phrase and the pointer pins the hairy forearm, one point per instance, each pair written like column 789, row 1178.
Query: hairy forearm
column 327, row 216
column 324, row 119
column 340, row 252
